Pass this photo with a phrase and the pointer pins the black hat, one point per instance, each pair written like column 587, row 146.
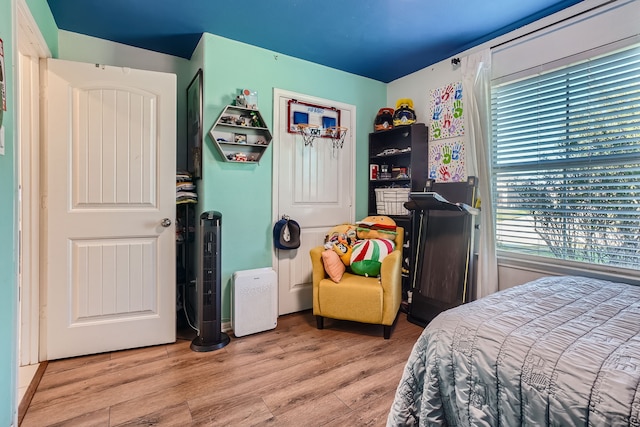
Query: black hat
column 286, row 234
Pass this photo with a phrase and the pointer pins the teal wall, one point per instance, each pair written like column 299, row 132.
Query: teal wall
column 47, row 25
column 242, row 193
column 8, row 247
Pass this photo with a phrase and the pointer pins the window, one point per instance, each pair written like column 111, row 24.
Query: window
column 566, row 162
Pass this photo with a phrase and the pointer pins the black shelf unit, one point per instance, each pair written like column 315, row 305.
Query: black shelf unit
column 402, row 149
column 185, row 266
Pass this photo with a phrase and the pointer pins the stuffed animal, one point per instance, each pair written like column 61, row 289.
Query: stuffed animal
column 348, row 231
column 343, row 248
column 367, row 256
column 340, row 239
column 376, row 227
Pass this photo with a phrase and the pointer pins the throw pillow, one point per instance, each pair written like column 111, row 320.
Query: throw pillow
column 333, row 265
column 376, row 227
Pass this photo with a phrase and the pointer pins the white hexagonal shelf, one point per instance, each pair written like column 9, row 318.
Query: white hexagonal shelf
column 240, row 134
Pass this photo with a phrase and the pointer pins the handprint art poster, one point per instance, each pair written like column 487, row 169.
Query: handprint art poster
column 447, row 161
column 446, row 109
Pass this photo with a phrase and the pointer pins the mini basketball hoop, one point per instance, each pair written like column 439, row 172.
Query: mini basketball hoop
column 337, row 134
column 308, row 132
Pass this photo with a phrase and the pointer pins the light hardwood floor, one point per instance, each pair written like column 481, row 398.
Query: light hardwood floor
column 294, row 375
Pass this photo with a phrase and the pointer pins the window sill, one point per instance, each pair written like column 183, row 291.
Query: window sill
column 566, row 268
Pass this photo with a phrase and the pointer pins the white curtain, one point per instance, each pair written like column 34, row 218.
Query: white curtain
column 476, row 86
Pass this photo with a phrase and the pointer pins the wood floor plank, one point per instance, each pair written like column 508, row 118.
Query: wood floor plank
column 244, row 371
column 312, row 413
column 75, row 362
column 192, row 381
column 328, row 380
column 97, row 367
column 99, row 418
column 250, row 410
column 264, row 385
column 93, row 393
column 173, row 415
column 373, row 414
column 362, row 392
column 345, row 374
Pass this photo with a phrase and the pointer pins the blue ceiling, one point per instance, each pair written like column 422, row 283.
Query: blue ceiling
column 380, row 39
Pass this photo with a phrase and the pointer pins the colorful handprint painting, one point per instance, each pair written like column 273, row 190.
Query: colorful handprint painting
column 446, row 112
column 447, row 161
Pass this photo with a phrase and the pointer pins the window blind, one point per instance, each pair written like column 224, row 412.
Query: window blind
column 566, row 162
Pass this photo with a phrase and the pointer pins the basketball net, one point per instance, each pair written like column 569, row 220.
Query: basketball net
column 309, row 133
column 337, row 135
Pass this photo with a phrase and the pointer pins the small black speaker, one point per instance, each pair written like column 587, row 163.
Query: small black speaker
column 208, row 282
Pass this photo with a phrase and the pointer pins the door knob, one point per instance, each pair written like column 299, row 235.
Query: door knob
column 166, row 222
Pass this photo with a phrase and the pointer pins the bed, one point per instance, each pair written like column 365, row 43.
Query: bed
column 558, row 351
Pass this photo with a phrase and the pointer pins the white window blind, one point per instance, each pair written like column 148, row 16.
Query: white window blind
column 566, row 162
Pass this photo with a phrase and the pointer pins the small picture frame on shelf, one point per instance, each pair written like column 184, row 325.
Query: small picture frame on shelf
column 240, row 138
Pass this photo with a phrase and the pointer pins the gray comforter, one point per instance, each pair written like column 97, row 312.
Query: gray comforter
column 558, row 351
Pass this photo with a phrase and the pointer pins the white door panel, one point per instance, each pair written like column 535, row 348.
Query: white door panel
column 109, row 183
column 315, row 186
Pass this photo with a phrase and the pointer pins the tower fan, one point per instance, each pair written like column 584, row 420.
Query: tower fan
column 210, row 336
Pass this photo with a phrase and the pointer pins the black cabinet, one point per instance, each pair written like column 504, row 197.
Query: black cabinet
column 185, row 268
column 185, row 234
column 397, row 166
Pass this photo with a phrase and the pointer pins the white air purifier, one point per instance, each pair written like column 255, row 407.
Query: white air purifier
column 254, row 305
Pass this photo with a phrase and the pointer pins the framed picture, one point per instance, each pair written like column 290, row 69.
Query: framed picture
column 194, row 126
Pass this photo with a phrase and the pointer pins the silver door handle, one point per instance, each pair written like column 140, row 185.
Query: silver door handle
column 166, row 222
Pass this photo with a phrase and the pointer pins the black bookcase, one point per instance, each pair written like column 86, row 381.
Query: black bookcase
column 404, row 152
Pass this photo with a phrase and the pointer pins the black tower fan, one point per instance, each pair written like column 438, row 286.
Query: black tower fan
column 210, row 336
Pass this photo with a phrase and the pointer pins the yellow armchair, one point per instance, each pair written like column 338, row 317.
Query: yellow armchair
column 359, row 298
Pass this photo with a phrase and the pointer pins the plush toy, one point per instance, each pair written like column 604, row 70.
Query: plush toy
column 343, row 248
column 367, row 256
column 376, row 227
column 340, row 239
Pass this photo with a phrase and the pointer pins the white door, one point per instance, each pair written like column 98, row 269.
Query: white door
column 108, row 197
column 314, row 186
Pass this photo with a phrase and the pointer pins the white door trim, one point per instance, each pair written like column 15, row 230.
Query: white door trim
column 277, row 94
column 31, row 46
column 29, row 34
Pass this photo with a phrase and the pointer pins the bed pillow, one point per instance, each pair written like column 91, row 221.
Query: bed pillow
column 333, row 265
column 367, row 256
